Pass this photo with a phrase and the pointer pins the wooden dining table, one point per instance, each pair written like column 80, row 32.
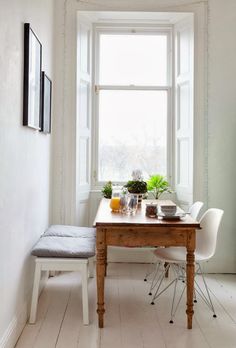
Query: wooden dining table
column 138, row 230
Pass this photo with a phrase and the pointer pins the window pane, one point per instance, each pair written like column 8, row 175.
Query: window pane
column 132, row 133
column 133, row 60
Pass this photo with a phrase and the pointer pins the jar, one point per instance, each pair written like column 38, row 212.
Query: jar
column 151, row 209
column 115, row 198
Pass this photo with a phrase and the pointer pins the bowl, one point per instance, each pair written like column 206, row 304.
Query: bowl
column 168, row 210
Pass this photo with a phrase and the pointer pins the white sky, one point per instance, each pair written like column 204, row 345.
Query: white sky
column 132, row 117
column 133, row 59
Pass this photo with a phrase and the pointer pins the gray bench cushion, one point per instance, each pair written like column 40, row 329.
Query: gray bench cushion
column 64, row 247
column 70, row 231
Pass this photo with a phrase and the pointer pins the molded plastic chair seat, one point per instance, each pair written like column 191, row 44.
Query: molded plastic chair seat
column 175, row 254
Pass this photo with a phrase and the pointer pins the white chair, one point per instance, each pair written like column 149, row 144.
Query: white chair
column 206, row 239
column 194, row 211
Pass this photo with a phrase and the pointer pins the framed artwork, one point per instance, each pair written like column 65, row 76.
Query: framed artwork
column 46, row 103
column 32, row 79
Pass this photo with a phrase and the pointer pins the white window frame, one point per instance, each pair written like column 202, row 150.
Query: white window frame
column 98, row 30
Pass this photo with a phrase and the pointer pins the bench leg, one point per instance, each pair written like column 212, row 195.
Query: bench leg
column 91, row 267
column 35, row 294
column 84, row 276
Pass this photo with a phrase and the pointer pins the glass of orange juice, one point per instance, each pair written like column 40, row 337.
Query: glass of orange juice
column 115, row 198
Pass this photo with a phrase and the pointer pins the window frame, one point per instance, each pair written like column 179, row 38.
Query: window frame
column 99, row 29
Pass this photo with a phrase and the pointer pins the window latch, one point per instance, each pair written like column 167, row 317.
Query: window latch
column 96, row 89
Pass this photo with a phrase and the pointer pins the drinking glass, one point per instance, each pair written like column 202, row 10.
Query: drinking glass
column 115, row 199
column 131, row 203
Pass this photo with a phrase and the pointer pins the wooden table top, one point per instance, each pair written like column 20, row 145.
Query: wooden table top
column 105, row 217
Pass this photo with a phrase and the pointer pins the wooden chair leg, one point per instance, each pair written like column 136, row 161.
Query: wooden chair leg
column 84, row 276
column 35, row 294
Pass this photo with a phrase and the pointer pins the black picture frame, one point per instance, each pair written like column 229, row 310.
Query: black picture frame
column 46, row 103
column 32, row 79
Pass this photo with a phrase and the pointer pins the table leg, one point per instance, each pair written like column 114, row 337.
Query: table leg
column 101, row 251
column 105, row 260
column 190, row 258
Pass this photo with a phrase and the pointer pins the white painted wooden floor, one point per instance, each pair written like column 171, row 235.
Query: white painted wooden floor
column 130, row 321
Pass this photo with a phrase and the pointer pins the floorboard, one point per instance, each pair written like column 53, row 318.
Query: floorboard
column 130, row 320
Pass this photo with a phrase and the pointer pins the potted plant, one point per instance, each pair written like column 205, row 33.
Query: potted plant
column 157, row 184
column 137, row 185
column 107, row 190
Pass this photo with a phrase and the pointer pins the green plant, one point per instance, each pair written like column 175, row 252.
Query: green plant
column 107, row 190
column 136, row 186
column 157, row 184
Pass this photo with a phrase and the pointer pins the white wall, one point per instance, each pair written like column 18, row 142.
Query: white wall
column 219, row 171
column 24, row 163
column 222, row 127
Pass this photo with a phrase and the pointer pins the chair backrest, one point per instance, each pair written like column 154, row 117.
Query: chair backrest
column 206, row 237
column 194, row 210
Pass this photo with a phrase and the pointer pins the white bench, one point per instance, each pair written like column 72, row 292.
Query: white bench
column 64, row 248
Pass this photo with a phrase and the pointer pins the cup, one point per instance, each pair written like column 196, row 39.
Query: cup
column 168, row 210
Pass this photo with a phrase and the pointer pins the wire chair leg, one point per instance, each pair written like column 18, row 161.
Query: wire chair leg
column 179, row 271
column 194, row 296
column 148, row 272
column 173, row 311
column 207, row 300
column 173, row 302
column 161, row 278
column 155, row 278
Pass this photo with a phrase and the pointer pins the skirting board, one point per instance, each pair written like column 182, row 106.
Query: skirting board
column 15, row 328
column 17, row 324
